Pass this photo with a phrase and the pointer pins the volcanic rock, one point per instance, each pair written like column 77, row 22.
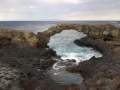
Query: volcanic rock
column 18, row 37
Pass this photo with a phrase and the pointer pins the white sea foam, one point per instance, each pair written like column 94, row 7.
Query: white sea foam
column 57, row 67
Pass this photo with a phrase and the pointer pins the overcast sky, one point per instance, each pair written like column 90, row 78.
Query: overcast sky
column 59, row 9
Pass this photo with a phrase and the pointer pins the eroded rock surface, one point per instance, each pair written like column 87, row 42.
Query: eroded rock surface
column 23, row 63
column 8, row 76
column 101, row 73
column 21, row 37
column 94, row 31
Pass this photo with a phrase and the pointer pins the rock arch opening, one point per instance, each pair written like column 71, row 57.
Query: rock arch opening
column 71, row 55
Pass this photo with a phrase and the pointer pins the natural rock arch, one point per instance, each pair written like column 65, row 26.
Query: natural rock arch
column 106, row 31
column 94, row 31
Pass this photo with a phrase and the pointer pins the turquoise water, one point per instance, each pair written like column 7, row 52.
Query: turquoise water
column 63, row 44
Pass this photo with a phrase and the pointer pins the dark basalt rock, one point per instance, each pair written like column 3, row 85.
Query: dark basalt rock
column 25, row 57
column 86, row 68
column 22, row 61
column 28, row 62
column 100, row 73
column 43, row 40
column 98, row 44
column 5, row 42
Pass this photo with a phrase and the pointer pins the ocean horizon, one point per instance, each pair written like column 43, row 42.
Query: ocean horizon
column 40, row 26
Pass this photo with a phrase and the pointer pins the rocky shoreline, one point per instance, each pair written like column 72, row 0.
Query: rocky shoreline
column 25, row 57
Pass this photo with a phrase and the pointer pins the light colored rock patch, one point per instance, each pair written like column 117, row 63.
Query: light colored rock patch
column 7, row 76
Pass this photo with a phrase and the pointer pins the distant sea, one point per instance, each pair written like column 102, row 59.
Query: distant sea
column 40, row 26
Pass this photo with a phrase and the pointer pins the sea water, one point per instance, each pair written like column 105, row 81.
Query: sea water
column 70, row 55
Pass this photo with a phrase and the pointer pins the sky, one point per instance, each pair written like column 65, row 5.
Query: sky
column 59, row 10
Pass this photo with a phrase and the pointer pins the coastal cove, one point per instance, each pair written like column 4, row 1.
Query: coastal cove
column 63, row 57
column 71, row 55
